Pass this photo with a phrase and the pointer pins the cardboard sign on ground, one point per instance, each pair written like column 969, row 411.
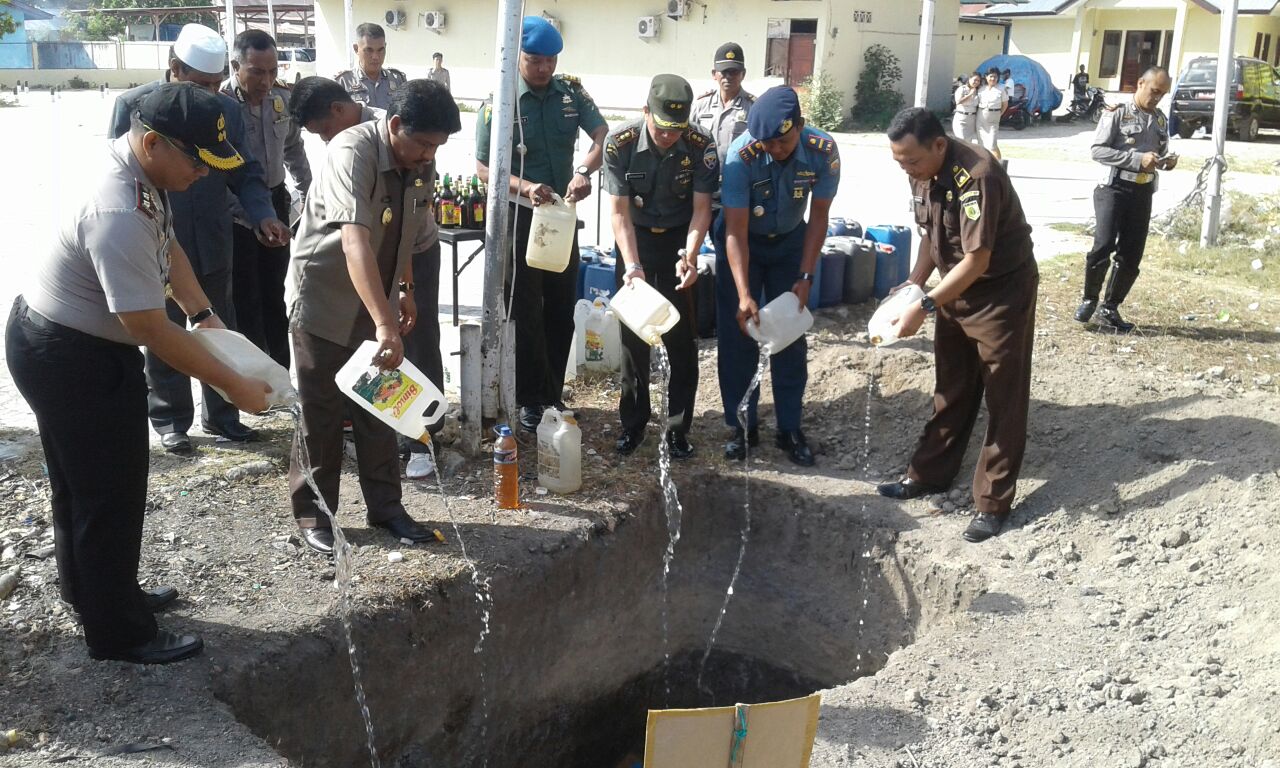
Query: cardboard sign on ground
column 773, row 735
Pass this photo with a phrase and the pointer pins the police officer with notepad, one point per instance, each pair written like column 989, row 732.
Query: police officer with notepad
column 661, row 171
column 774, row 172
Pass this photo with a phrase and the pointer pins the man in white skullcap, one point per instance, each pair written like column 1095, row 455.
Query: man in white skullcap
column 202, row 224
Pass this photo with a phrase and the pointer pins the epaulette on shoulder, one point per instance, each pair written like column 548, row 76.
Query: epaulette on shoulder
column 708, row 93
column 751, row 151
column 824, row 145
column 393, row 72
column 695, row 136
column 573, row 80
column 146, row 201
column 625, row 136
column 282, row 84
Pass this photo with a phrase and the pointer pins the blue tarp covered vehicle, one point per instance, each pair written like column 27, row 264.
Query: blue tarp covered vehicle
column 1041, row 94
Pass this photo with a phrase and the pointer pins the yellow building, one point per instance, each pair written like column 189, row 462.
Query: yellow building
column 616, row 47
column 978, row 39
column 1118, row 39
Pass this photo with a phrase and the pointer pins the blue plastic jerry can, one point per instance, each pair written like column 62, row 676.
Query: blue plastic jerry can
column 892, row 267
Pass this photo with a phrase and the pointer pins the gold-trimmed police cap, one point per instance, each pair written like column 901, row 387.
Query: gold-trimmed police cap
column 191, row 115
column 670, row 97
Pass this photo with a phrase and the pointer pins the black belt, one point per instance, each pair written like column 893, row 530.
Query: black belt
column 36, row 320
column 662, row 230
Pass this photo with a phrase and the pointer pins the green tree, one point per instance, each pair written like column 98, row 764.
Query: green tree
column 7, row 25
column 876, row 98
column 820, row 102
column 103, row 26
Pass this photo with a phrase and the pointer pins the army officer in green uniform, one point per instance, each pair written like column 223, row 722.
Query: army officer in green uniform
column 553, row 108
column 661, row 172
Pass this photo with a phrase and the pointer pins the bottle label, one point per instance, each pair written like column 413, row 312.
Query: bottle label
column 548, row 460
column 477, row 212
column 388, row 391
column 447, row 210
column 595, row 346
column 457, row 216
column 504, row 457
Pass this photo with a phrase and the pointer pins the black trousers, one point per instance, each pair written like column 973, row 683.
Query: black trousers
column 169, row 403
column 1123, row 214
column 657, row 253
column 257, row 288
column 542, row 309
column 323, row 409
column 422, row 345
column 90, row 401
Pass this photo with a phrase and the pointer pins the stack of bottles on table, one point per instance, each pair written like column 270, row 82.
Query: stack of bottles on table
column 460, row 204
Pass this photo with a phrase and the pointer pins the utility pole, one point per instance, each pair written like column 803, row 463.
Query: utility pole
column 271, row 18
column 348, row 16
column 497, row 244
column 230, row 31
column 926, row 51
column 1212, row 221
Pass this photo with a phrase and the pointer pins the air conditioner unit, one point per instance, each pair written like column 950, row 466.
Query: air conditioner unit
column 433, row 20
column 552, row 20
column 677, row 9
column 647, row 26
column 394, row 18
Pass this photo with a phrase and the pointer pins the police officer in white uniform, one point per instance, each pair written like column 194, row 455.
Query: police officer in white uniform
column 72, row 344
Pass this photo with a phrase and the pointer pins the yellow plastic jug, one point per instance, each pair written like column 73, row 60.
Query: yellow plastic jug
column 551, row 235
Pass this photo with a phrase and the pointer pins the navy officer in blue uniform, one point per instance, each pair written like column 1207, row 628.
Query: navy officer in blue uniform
column 764, row 247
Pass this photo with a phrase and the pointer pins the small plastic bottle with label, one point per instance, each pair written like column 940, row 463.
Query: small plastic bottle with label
column 506, row 469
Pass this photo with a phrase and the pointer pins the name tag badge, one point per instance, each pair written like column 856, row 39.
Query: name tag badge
column 636, row 176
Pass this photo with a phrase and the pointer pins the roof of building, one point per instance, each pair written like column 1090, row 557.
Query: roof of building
column 1056, row 7
column 29, row 12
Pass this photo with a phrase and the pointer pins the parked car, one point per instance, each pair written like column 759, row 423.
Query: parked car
column 295, row 64
column 1255, row 97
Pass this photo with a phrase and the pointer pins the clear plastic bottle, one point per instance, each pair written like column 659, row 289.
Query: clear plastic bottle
column 506, row 469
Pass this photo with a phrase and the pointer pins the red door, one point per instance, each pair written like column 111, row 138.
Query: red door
column 800, row 54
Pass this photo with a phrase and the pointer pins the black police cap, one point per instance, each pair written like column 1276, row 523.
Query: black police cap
column 194, row 116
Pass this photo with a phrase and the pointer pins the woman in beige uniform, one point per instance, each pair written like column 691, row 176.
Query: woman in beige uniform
column 964, row 123
column 992, row 101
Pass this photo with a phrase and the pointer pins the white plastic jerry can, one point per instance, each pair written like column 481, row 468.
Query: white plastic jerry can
column 559, row 452
column 551, row 235
column 402, row 398
column 782, row 321
column 881, row 329
column 245, row 358
column 645, row 310
column 602, row 337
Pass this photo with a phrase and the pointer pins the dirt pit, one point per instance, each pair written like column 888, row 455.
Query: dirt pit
column 576, row 653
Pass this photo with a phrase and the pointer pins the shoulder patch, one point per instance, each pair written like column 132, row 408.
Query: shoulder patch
column 751, row 151
column 486, row 113
column 625, row 136
column 147, row 201
column 283, row 85
column 824, row 146
column 961, row 176
column 708, row 93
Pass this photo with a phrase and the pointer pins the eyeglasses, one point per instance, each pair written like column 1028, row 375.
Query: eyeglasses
column 196, row 163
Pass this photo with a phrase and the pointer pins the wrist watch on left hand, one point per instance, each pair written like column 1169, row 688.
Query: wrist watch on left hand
column 928, row 304
column 583, row 170
column 201, row 316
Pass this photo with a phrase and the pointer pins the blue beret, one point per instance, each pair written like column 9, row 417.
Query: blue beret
column 539, row 38
column 774, row 113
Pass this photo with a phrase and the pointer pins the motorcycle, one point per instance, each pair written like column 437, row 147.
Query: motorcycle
column 1087, row 106
column 1016, row 115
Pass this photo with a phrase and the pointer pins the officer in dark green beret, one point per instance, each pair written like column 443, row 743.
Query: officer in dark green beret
column 661, row 172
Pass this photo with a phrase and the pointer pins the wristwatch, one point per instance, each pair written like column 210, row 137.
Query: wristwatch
column 583, row 170
column 928, row 304
column 406, row 287
column 201, row 316
column 806, row 276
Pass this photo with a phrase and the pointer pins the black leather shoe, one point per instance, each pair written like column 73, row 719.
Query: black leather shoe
column 560, row 406
column 1085, row 310
column 906, row 488
column 797, row 447
column 164, row 648
column 530, row 417
column 233, row 431
column 736, row 448
column 319, row 539
column 1109, row 319
column 629, row 442
column 159, row 597
column 405, row 527
column 983, row 526
column 177, row 443
column 679, row 445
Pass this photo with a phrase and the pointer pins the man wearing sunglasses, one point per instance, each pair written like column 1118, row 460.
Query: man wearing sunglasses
column 202, row 223
column 72, row 339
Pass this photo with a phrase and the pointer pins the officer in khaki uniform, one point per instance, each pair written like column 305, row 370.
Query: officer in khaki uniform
column 1132, row 140
column 722, row 112
column 350, row 280
column 973, row 231
column 275, row 139
column 554, row 108
column 661, row 172
column 371, row 83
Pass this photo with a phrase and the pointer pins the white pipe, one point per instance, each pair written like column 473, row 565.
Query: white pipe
column 348, row 31
column 271, row 18
column 1212, row 220
column 926, row 51
column 497, row 247
column 230, row 31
